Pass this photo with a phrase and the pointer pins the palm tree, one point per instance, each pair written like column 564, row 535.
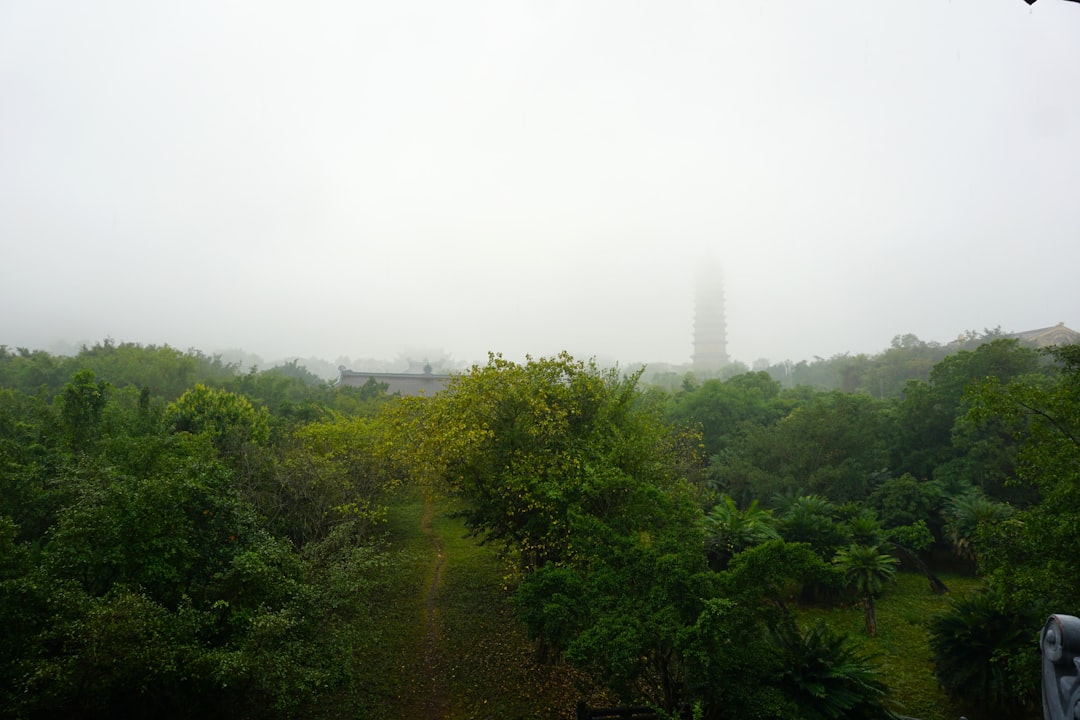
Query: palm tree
column 965, row 514
column 865, row 529
column 729, row 530
column 826, row 676
column 974, row 645
column 867, row 570
column 812, row 519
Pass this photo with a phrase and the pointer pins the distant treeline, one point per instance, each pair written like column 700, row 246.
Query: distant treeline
column 166, row 372
column 883, row 375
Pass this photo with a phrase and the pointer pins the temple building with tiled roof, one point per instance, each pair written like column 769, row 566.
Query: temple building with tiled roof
column 1048, row 336
column 401, row 383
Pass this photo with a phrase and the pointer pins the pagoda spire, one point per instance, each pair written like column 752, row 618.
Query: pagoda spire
column 710, row 319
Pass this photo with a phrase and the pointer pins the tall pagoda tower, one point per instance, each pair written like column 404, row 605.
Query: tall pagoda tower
column 710, row 321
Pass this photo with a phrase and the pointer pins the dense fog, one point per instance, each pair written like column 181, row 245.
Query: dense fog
column 359, row 180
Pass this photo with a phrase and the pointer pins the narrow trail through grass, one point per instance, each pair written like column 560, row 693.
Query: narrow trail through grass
column 436, row 702
column 417, row 677
column 461, row 652
column 453, row 648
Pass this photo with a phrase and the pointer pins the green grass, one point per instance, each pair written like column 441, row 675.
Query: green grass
column 486, row 666
column 489, row 662
column 386, row 682
column 901, row 646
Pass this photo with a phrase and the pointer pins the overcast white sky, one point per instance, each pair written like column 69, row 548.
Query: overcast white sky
column 359, row 178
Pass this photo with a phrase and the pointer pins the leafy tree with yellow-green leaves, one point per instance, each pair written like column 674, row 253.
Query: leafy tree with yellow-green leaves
column 574, row 471
column 332, row 473
column 229, row 420
column 531, row 445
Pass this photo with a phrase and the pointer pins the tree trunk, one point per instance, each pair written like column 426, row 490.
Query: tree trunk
column 935, row 582
column 868, row 614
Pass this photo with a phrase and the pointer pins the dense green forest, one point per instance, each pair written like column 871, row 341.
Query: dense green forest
column 182, row 539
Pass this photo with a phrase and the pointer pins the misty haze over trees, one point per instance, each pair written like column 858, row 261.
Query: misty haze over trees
column 693, row 476
column 371, row 176
column 882, row 374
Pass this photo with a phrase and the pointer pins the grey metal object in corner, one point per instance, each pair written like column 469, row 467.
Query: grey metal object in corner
column 1060, row 645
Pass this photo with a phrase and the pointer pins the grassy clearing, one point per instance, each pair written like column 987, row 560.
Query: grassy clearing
column 487, row 656
column 485, row 663
column 390, row 682
column 902, row 646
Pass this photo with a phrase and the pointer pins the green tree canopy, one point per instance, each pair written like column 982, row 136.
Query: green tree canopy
column 833, row 445
column 722, row 409
column 929, row 410
column 229, row 420
column 530, row 445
